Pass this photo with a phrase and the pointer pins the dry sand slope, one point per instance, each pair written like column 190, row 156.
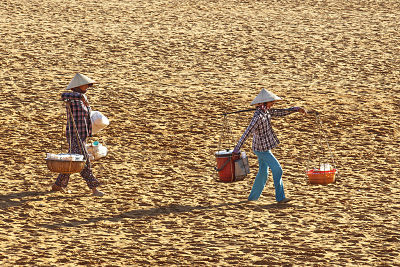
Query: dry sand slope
column 166, row 70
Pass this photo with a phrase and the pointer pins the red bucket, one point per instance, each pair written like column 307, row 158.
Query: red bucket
column 316, row 176
column 225, row 165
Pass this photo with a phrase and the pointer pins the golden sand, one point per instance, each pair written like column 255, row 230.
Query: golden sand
column 165, row 71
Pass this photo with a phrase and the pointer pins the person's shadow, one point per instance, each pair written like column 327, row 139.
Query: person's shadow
column 165, row 210
column 19, row 198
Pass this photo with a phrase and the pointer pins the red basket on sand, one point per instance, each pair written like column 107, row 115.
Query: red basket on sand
column 321, row 177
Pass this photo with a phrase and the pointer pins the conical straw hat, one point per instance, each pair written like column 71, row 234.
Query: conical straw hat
column 265, row 96
column 79, row 80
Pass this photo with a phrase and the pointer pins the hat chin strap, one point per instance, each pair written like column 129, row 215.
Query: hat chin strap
column 262, row 106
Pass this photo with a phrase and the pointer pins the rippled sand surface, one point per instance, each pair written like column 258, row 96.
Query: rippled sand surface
column 166, row 70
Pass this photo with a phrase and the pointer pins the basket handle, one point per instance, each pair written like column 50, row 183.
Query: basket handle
column 223, row 165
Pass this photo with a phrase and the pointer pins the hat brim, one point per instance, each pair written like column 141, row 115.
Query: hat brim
column 80, row 80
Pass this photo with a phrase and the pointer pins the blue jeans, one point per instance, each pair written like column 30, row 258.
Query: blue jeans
column 267, row 160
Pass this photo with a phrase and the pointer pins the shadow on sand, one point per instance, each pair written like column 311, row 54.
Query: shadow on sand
column 166, row 210
column 20, row 198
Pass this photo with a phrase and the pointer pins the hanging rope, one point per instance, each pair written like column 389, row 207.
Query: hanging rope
column 226, row 134
column 73, row 126
column 320, row 139
column 226, row 138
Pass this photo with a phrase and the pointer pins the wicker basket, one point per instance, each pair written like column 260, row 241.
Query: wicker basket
column 65, row 166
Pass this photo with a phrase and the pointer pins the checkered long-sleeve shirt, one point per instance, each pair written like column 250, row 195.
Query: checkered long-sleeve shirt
column 81, row 115
column 260, row 126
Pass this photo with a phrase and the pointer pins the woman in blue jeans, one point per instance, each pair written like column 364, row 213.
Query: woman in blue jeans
column 264, row 139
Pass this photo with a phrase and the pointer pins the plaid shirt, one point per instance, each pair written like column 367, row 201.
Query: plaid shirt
column 260, row 126
column 81, row 114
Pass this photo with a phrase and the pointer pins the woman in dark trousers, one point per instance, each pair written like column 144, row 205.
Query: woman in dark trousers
column 80, row 109
column 264, row 139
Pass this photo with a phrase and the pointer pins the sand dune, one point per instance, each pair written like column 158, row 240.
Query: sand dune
column 166, row 70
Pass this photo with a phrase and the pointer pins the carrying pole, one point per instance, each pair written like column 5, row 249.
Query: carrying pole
column 239, row 111
column 252, row 109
